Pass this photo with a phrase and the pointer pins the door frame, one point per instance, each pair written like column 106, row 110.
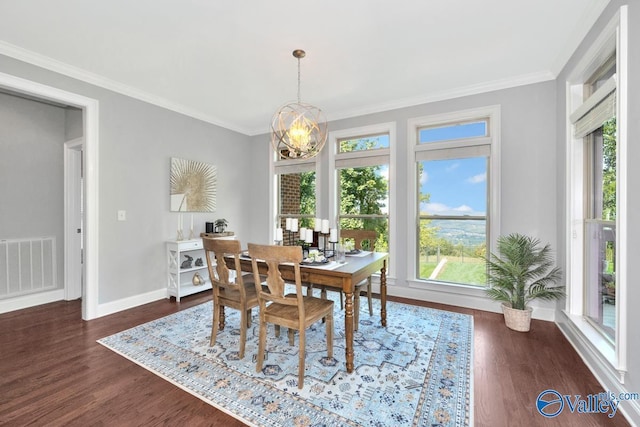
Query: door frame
column 89, row 109
column 73, row 221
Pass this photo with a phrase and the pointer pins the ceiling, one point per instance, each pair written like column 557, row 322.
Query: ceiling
column 230, row 62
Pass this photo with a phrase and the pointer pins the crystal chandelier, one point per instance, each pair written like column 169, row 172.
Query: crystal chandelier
column 298, row 130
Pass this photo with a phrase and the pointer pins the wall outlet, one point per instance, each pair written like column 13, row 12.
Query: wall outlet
column 122, row 215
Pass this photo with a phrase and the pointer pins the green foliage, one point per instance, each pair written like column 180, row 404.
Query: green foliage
column 307, row 194
column 363, row 191
column 609, row 170
column 522, row 271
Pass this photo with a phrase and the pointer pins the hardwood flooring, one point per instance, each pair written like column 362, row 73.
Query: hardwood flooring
column 53, row 373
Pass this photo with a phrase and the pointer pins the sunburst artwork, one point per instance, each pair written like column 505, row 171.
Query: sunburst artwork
column 193, row 186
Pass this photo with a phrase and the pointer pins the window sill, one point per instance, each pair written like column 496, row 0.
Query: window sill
column 601, row 346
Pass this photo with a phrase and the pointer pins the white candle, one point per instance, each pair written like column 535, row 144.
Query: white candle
column 333, row 235
column 294, row 224
column 279, row 234
column 287, row 224
column 178, row 221
column 309, row 238
column 191, row 223
column 325, row 226
column 317, row 224
column 303, row 233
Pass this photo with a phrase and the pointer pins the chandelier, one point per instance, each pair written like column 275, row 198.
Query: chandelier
column 298, row 130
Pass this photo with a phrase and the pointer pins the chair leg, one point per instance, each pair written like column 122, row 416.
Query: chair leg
column 248, row 318
column 369, row 296
column 214, row 325
column 243, row 332
column 221, row 317
column 329, row 322
column 290, row 333
column 262, row 341
column 301, row 352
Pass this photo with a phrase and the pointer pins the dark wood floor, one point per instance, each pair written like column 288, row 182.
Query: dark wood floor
column 53, row 373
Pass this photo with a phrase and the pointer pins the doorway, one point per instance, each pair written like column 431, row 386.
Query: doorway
column 89, row 160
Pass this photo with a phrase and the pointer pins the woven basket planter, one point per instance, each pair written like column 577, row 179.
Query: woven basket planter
column 518, row 320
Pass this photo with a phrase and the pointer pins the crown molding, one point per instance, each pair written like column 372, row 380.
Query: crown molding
column 59, row 67
column 476, row 89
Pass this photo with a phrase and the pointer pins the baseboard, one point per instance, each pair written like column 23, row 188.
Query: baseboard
column 130, row 302
column 603, row 372
column 459, row 296
column 26, row 301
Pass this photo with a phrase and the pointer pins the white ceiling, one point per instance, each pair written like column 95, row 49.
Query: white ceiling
column 229, row 62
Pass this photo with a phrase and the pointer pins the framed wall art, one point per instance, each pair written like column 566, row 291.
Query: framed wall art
column 193, row 186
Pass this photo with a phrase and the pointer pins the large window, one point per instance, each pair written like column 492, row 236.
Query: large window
column 362, row 166
column 453, row 167
column 595, row 123
column 296, row 192
column 597, row 194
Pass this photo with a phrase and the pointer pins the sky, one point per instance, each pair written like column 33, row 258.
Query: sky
column 457, row 186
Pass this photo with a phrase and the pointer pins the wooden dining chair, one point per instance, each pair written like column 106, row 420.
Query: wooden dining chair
column 362, row 240
column 239, row 294
column 293, row 310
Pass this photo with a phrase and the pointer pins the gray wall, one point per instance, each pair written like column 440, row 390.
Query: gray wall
column 137, row 141
column 32, row 136
column 632, row 300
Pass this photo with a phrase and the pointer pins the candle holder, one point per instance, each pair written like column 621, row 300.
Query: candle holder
column 179, row 236
column 333, row 244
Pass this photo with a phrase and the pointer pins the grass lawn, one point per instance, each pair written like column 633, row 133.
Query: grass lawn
column 471, row 271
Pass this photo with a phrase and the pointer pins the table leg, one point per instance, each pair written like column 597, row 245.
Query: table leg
column 348, row 328
column 383, row 294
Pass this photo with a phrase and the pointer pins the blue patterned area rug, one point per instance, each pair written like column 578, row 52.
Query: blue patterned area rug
column 415, row 372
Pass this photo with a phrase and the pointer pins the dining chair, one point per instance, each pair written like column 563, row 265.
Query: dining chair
column 291, row 310
column 362, row 240
column 239, row 294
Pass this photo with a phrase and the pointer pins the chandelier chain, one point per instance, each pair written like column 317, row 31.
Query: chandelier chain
column 298, row 80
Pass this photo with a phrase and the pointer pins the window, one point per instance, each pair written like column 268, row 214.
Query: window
column 456, row 179
column 595, row 123
column 295, row 192
column 597, row 194
column 362, row 166
column 361, row 192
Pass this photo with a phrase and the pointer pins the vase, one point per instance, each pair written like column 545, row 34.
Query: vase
column 517, row 320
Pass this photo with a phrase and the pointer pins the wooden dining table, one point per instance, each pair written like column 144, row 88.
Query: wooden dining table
column 344, row 277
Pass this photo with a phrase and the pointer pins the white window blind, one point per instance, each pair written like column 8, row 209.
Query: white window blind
column 597, row 109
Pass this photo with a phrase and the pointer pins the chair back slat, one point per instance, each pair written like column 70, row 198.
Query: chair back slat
column 361, row 236
column 220, row 276
column 274, row 256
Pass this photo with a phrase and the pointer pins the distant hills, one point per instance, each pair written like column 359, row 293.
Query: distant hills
column 469, row 233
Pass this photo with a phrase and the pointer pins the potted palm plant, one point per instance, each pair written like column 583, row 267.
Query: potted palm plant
column 520, row 272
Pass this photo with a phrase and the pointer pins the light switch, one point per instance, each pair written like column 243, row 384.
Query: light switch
column 122, row 215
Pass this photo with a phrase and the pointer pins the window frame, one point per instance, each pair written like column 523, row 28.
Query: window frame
column 613, row 40
column 361, row 158
column 444, row 149
column 289, row 166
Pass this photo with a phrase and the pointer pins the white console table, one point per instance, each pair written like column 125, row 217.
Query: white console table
column 180, row 280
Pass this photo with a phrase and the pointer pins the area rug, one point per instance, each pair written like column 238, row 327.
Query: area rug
column 415, row 372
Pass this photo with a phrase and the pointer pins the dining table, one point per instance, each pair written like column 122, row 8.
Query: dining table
column 339, row 276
